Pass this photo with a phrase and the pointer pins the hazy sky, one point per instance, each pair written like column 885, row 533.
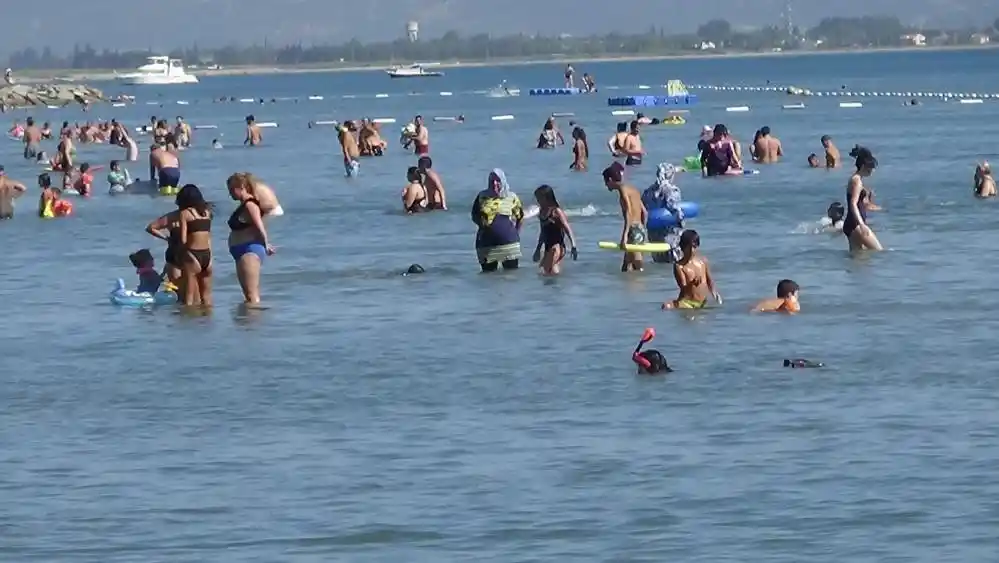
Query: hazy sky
column 121, row 24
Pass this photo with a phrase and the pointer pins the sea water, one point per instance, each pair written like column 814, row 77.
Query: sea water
column 454, row 416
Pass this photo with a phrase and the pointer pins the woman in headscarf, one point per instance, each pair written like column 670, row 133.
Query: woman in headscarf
column 498, row 213
column 664, row 194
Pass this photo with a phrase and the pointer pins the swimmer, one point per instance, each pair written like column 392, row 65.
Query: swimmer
column 9, row 191
column 420, row 139
column 633, row 146
column 414, row 269
column 164, row 166
column 633, row 213
column 145, row 267
column 182, row 132
column 46, row 130
column 48, row 196
column 858, row 233
column 580, row 150
column 32, row 139
column 786, row 301
column 437, row 198
column 65, row 152
column 118, row 178
column 554, row 228
column 589, row 83
column 813, row 161
column 216, row 144
column 414, row 195
column 985, row 184
column 253, row 135
column 835, row 214
column 650, row 362
column 349, row 148
column 85, row 181
column 718, row 154
column 550, row 135
column 125, row 140
column 570, row 73
column 767, row 149
column 642, row 120
column 832, row 153
column 693, row 276
column 616, row 142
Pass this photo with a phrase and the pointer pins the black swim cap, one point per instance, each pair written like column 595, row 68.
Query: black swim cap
column 415, row 269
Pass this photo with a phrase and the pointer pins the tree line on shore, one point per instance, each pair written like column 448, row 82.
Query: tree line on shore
column 713, row 36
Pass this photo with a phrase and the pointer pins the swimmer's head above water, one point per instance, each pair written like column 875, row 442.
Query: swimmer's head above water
column 613, row 176
column 813, row 161
column 414, row 269
column 865, row 161
column 650, row 361
column 836, row 212
column 141, row 258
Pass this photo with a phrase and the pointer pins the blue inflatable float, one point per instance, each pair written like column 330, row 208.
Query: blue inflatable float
column 554, row 91
column 661, row 218
column 653, row 101
column 129, row 298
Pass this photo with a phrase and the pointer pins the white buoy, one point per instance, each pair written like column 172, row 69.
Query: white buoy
column 118, row 105
column 445, row 118
column 383, row 120
column 381, row 95
column 971, row 101
column 52, row 107
column 326, row 122
column 446, row 94
column 206, row 126
column 851, row 105
column 267, row 125
column 794, row 106
column 182, row 103
column 315, row 98
column 247, row 100
column 737, row 109
column 501, row 117
column 644, row 87
column 563, row 114
column 623, row 112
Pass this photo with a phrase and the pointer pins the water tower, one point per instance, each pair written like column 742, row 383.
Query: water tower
column 413, row 31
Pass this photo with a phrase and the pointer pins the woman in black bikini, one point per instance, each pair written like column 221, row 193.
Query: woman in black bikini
column 554, row 227
column 195, row 220
column 167, row 228
column 855, row 227
column 414, row 196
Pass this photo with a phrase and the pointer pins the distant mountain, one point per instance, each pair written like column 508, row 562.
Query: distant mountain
column 177, row 23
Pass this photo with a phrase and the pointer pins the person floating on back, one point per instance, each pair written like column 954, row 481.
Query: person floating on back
column 652, row 361
column 786, row 301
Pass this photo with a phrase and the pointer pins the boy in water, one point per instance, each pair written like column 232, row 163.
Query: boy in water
column 786, row 301
column 693, row 276
column 632, row 211
column 149, row 278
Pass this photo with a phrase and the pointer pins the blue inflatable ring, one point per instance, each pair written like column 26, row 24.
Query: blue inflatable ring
column 661, row 218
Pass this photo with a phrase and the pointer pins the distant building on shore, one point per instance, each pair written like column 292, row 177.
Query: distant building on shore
column 914, row 39
column 980, row 39
column 413, row 31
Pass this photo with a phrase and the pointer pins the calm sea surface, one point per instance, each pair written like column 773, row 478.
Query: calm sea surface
column 365, row 416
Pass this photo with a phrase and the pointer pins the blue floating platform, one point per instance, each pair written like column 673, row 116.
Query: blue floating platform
column 554, row 91
column 653, row 101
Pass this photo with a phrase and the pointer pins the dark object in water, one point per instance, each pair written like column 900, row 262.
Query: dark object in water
column 414, row 269
column 141, row 258
column 802, row 363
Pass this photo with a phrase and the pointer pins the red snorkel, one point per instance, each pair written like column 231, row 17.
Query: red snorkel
column 637, row 357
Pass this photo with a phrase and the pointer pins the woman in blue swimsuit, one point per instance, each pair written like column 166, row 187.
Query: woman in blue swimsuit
column 248, row 242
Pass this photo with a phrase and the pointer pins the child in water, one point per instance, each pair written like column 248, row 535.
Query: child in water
column 145, row 267
column 786, row 301
column 118, row 178
column 649, row 362
column 693, row 276
column 554, row 228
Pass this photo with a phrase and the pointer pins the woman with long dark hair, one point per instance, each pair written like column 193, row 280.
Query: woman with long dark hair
column 196, row 245
column 855, row 226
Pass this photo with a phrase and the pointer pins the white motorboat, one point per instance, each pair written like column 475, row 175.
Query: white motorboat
column 414, row 71
column 159, row 71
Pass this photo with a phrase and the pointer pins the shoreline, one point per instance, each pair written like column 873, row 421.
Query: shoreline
column 70, row 76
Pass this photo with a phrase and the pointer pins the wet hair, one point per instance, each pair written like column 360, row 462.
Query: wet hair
column 84, row 167
column 812, row 157
column 550, row 124
column 656, row 362
column 545, row 195
column 758, row 135
column 114, row 164
column 634, row 126
column 190, row 197
column 141, row 258
column 720, row 130
column 825, row 139
column 413, row 175
column 864, row 157
column 622, row 127
column 30, row 121
column 425, row 162
column 579, row 134
column 45, row 180
column 785, row 288
column 613, row 174
column 836, row 212
column 690, row 239
column 414, row 269
column 250, row 119
column 765, row 130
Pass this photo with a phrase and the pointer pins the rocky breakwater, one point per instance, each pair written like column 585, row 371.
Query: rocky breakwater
column 25, row 95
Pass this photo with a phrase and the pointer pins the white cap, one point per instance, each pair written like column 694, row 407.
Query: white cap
column 707, row 128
